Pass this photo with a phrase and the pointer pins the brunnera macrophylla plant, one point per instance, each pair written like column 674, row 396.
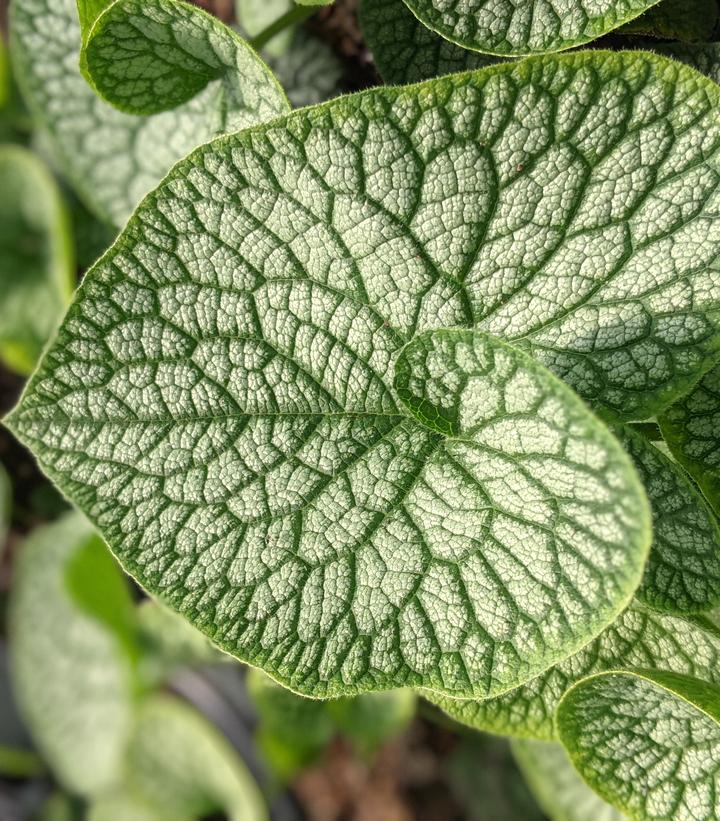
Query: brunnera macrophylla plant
column 356, row 389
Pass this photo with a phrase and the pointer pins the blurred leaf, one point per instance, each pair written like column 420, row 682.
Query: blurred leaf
column 37, row 269
column 372, row 719
column 72, row 677
column 5, row 505
column 178, row 762
column 486, row 781
column 169, row 641
column 309, row 70
column 293, row 730
column 557, row 786
column 254, row 16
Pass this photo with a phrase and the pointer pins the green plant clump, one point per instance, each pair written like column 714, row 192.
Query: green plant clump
column 409, row 389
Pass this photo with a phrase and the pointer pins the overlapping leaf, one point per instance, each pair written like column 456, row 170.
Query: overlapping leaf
column 221, row 399
column 691, row 428
column 558, row 788
column 521, row 27
column 640, row 638
column 37, row 269
column 405, row 50
column 648, row 743
column 112, row 158
column 683, row 572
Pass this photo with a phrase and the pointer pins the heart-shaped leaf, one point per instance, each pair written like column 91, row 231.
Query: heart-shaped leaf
column 112, row 158
column 463, row 545
column 691, row 429
column 221, row 397
column 521, row 27
column 649, row 743
column 639, row 638
column 556, row 785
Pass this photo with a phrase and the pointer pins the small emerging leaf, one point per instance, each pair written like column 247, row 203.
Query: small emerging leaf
column 114, row 159
column 147, row 56
column 649, row 743
column 521, row 27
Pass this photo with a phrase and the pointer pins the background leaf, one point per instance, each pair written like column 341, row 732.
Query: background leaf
column 405, row 50
column 72, row 676
column 690, row 428
column 686, row 20
column 37, row 269
column 112, row 159
column 556, row 784
column 683, row 571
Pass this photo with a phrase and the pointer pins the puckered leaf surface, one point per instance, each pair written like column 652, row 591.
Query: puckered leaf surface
column 639, row 638
column 328, row 536
column 222, row 398
column 72, row 671
column 112, row 158
column 648, row 743
column 683, row 571
column 405, row 50
column 37, row 269
column 556, row 784
column 521, row 27
column 691, row 428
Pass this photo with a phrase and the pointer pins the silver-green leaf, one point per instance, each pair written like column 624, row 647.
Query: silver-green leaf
column 648, row 742
column 522, row 27
column 112, row 158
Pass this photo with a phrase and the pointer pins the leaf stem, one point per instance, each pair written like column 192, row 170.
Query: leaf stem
column 296, row 15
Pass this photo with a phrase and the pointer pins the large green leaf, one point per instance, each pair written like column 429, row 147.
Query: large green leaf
column 649, row 743
column 683, row 572
column 691, row 429
column 463, row 551
column 406, row 51
column 705, row 57
column 220, row 398
column 111, row 158
column 71, row 670
column 639, row 638
column 37, row 270
column 520, row 27
column 556, row 785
